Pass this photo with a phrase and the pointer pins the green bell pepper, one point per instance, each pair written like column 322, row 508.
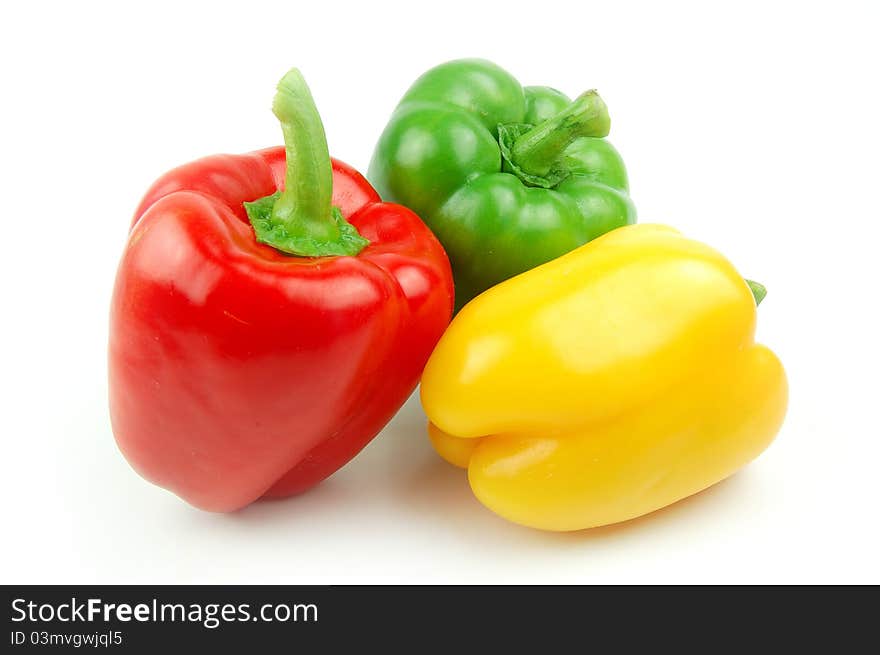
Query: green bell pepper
column 507, row 177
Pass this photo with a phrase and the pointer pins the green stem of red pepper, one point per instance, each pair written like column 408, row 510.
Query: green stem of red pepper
column 301, row 219
column 538, row 151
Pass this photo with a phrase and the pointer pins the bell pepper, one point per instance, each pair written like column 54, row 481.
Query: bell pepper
column 507, row 177
column 270, row 315
column 605, row 384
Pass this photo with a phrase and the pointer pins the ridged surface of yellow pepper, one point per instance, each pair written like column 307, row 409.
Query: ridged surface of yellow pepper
column 605, row 384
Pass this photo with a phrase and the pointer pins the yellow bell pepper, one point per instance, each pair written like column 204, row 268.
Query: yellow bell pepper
column 605, row 384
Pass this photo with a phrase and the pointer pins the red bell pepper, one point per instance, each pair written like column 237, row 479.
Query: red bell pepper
column 261, row 337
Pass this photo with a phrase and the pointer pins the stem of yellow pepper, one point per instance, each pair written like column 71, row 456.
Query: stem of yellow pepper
column 759, row 291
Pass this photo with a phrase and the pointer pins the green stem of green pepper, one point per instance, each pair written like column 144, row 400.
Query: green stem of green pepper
column 301, row 220
column 539, row 150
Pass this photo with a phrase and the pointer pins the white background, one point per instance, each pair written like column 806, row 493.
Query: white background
column 752, row 127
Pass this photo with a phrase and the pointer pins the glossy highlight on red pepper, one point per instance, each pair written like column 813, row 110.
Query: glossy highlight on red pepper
column 238, row 371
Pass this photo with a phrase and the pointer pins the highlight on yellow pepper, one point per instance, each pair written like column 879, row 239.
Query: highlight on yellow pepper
column 606, row 384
